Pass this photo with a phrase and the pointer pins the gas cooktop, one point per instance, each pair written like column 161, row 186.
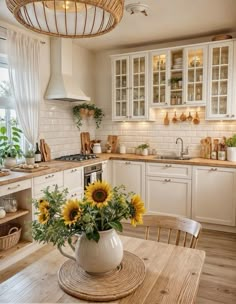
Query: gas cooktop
column 77, row 157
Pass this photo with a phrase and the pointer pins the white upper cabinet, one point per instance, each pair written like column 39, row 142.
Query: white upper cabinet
column 195, row 75
column 220, row 94
column 159, row 64
column 130, row 87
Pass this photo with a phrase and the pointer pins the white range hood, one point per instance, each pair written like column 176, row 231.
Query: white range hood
column 62, row 85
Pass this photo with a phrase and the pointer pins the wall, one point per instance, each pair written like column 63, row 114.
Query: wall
column 155, row 133
column 57, row 125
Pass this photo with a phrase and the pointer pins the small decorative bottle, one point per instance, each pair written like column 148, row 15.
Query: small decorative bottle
column 222, row 149
column 214, row 152
column 38, row 155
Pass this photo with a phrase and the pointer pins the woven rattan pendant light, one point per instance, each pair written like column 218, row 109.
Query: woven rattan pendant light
column 72, row 19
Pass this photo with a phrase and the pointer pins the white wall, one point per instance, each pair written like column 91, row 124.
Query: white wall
column 155, row 133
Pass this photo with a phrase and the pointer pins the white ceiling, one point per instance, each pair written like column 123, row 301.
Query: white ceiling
column 167, row 20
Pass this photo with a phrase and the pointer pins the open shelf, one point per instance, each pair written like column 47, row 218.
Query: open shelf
column 13, row 215
column 13, row 250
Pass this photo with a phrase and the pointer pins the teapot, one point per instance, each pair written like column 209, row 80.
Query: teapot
column 96, row 148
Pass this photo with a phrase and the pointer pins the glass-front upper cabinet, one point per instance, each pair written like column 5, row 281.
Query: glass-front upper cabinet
column 138, row 102
column 129, row 78
column 176, row 79
column 159, row 78
column 120, row 79
column 220, row 81
column 195, row 75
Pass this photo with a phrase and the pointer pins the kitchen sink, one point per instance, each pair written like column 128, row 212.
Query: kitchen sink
column 170, row 157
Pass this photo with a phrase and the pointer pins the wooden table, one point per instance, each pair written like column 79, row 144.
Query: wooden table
column 172, row 276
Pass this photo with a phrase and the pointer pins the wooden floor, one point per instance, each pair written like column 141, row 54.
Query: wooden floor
column 218, row 281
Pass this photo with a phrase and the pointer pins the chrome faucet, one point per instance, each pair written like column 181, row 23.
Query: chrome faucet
column 182, row 152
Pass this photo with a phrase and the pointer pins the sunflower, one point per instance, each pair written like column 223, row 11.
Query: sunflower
column 43, row 217
column 137, row 210
column 43, row 205
column 71, row 212
column 98, row 194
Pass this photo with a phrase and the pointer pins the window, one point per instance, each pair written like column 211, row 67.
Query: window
column 7, row 113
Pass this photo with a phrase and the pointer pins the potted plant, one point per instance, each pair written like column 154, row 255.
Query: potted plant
column 9, row 146
column 143, row 148
column 96, row 218
column 231, row 148
column 29, row 157
column 90, row 110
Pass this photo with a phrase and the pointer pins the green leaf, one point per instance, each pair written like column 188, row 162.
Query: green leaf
column 3, row 130
column 116, row 225
column 16, row 129
column 16, row 134
column 16, row 139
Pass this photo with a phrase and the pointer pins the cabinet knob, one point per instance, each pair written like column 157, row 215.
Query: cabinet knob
column 227, row 115
column 168, row 166
column 167, row 180
column 128, row 163
column 232, row 115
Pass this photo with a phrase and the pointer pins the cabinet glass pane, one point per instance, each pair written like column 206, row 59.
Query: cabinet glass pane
column 216, row 56
column 155, row 79
column 118, row 82
column 223, row 88
column 136, row 65
column 191, row 76
column 117, row 94
column 136, row 80
column 136, row 93
column 118, row 109
column 136, row 110
column 224, row 72
column 118, row 67
column 124, row 83
column 159, row 78
column 223, row 105
column 198, row 92
column 215, row 88
column 124, row 67
column 215, row 73
column 142, row 65
column 224, row 55
column 190, row 92
column 176, row 77
column 124, row 111
column 123, row 94
column 214, row 105
column 156, row 94
column 141, row 93
column 199, row 75
column 142, row 80
column 142, row 108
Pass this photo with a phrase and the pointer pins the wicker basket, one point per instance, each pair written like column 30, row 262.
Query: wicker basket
column 9, row 235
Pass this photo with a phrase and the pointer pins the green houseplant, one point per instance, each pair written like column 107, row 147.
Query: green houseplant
column 96, row 218
column 9, row 145
column 231, row 148
column 29, row 157
column 87, row 110
column 143, row 148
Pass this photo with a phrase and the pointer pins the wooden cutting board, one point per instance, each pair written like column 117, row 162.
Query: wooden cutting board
column 40, row 168
column 85, row 142
column 113, row 141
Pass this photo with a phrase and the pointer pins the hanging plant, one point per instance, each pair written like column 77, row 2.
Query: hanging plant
column 87, row 110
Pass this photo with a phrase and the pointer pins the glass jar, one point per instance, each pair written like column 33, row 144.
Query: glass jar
column 9, row 204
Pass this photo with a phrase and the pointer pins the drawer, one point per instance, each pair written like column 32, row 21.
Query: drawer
column 169, row 170
column 15, row 187
column 73, row 178
column 42, row 182
column 76, row 194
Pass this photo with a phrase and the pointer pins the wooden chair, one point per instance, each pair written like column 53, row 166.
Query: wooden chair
column 176, row 230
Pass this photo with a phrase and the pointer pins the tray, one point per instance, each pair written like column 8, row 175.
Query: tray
column 40, row 168
column 110, row 286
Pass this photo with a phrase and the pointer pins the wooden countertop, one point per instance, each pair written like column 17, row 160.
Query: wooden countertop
column 55, row 166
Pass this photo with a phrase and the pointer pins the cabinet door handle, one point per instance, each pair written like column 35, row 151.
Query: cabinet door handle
column 11, row 188
column 73, row 170
column 167, row 180
column 168, row 166
column 213, row 169
column 127, row 162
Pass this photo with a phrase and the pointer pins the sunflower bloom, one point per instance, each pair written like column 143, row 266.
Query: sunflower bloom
column 43, row 217
column 137, row 210
column 71, row 212
column 43, row 206
column 98, row 194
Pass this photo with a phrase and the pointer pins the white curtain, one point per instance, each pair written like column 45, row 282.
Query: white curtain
column 23, row 60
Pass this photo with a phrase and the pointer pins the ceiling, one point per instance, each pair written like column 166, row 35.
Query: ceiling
column 167, row 20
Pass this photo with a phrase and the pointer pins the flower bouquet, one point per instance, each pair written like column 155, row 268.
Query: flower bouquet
column 92, row 220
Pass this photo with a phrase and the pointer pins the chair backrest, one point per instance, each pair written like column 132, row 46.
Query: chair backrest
column 184, row 231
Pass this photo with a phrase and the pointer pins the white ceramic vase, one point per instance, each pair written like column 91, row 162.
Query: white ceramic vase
column 98, row 257
column 30, row 161
column 9, row 162
column 145, row 151
column 231, row 154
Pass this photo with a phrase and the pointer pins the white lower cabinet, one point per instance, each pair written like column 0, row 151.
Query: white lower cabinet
column 168, row 195
column 166, row 192
column 214, row 195
column 131, row 174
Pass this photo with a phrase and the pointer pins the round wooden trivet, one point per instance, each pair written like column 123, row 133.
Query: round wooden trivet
column 104, row 287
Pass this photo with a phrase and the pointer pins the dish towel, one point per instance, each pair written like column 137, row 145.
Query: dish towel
column 93, row 177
